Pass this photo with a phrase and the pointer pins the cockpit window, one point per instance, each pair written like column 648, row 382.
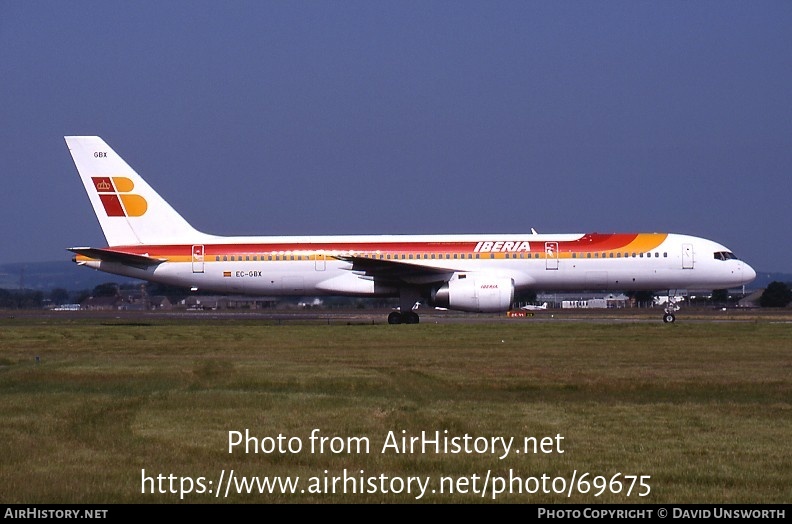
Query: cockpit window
column 725, row 255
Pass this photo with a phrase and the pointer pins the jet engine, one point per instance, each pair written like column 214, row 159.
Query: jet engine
column 475, row 292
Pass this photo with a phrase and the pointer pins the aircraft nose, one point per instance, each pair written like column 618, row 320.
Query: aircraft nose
column 748, row 274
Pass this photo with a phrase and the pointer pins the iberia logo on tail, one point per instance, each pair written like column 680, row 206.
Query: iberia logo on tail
column 117, row 198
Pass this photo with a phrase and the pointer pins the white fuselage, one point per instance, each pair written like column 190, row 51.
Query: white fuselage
column 260, row 265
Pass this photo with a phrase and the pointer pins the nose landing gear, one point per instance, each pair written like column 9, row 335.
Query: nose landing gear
column 669, row 310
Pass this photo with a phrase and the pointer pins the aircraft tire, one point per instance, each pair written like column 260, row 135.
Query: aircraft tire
column 395, row 318
column 669, row 318
column 411, row 317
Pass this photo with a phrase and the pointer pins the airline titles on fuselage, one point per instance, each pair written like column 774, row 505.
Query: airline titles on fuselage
column 501, row 247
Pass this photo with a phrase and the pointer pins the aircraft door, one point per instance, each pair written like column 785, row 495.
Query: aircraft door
column 320, row 262
column 198, row 259
column 551, row 255
column 687, row 256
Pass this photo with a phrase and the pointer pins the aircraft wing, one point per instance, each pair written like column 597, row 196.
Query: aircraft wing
column 108, row 255
column 396, row 271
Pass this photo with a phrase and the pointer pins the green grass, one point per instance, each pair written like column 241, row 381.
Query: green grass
column 702, row 408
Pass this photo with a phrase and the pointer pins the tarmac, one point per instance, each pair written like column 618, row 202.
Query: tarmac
column 427, row 316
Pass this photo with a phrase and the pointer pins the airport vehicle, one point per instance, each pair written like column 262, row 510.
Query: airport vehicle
column 149, row 240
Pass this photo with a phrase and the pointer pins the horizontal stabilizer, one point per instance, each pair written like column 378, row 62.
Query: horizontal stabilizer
column 108, row 255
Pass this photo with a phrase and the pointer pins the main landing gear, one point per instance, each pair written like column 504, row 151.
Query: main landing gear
column 409, row 298
column 407, row 317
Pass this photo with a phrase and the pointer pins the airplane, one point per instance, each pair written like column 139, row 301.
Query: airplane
column 148, row 239
column 530, row 307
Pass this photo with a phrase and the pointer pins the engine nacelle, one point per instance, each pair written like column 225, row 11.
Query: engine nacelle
column 476, row 293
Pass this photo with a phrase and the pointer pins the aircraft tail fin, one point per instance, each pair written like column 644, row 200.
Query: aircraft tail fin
column 129, row 210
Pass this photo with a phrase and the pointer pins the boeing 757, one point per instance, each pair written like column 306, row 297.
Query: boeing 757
column 147, row 239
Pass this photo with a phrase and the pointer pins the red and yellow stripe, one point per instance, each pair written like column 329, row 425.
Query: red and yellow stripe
column 589, row 243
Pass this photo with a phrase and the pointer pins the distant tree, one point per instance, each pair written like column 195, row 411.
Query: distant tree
column 720, row 296
column 6, row 299
column 21, row 299
column 30, row 299
column 59, row 296
column 109, row 289
column 174, row 293
column 776, row 294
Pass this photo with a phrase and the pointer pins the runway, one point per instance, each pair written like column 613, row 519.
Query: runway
column 379, row 316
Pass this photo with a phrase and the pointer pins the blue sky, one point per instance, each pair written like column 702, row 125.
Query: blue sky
column 347, row 117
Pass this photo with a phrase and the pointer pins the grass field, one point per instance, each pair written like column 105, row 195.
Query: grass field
column 131, row 409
